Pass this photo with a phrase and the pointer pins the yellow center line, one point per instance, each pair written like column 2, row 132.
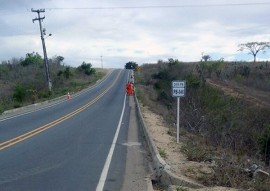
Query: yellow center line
column 36, row 131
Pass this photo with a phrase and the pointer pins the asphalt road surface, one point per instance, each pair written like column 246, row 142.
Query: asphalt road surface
column 90, row 142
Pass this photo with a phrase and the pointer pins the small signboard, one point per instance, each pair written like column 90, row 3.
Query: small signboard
column 178, row 88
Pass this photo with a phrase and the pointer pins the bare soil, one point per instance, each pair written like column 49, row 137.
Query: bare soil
column 178, row 162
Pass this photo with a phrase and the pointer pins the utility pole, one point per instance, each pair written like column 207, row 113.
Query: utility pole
column 101, row 62
column 42, row 33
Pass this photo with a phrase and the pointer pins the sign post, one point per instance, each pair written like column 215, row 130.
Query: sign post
column 178, row 119
column 178, row 90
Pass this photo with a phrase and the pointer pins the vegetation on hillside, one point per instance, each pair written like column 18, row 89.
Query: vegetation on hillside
column 23, row 81
column 229, row 130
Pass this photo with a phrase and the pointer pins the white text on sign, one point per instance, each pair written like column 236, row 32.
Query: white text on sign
column 178, row 88
column 178, row 84
column 178, row 92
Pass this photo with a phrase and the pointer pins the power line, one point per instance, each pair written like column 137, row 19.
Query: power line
column 161, row 6
column 142, row 7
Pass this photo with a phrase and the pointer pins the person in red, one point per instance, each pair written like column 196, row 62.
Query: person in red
column 128, row 88
column 131, row 88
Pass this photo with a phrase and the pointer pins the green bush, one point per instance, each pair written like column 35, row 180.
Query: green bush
column 162, row 153
column 87, row 68
column 180, row 188
column 32, row 59
column 19, row 93
column 192, row 81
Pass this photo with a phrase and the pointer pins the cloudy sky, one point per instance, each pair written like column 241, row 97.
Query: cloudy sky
column 143, row 31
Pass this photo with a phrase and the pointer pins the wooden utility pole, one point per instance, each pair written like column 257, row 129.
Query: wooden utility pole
column 42, row 33
column 101, row 62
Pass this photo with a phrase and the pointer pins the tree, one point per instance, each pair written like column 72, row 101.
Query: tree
column 206, row 57
column 173, row 62
column 58, row 60
column 87, row 68
column 31, row 59
column 67, row 72
column 131, row 65
column 254, row 48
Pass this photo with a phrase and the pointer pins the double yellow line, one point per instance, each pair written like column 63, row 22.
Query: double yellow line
column 36, row 131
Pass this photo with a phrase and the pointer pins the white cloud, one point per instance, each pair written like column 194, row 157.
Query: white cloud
column 141, row 34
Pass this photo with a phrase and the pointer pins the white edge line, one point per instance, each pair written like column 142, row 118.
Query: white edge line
column 105, row 170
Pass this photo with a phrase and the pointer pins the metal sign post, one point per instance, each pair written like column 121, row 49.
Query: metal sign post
column 178, row 90
column 178, row 118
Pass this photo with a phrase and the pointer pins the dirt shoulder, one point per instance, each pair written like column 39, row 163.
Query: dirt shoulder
column 166, row 144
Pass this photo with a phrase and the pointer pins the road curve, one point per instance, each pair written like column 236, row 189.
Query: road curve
column 65, row 146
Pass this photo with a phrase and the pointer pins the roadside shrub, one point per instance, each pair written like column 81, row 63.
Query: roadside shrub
column 161, row 75
column 259, row 184
column 196, row 152
column 239, row 77
column 19, row 93
column 67, row 73
column 180, row 188
column 244, row 71
column 264, row 142
column 233, row 174
column 32, row 93
column 228, row 175
column 138, row 94
column 162, row 153
column 1, row 108
column 192, row 81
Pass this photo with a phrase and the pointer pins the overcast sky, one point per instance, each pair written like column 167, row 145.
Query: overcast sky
column 143, row 31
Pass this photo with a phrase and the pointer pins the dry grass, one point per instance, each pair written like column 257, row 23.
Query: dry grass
column 226, row 123
column 23, row 85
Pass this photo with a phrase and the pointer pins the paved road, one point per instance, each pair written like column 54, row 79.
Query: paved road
column 77, row 144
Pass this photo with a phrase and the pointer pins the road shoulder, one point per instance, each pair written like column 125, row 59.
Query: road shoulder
column 137, row 172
